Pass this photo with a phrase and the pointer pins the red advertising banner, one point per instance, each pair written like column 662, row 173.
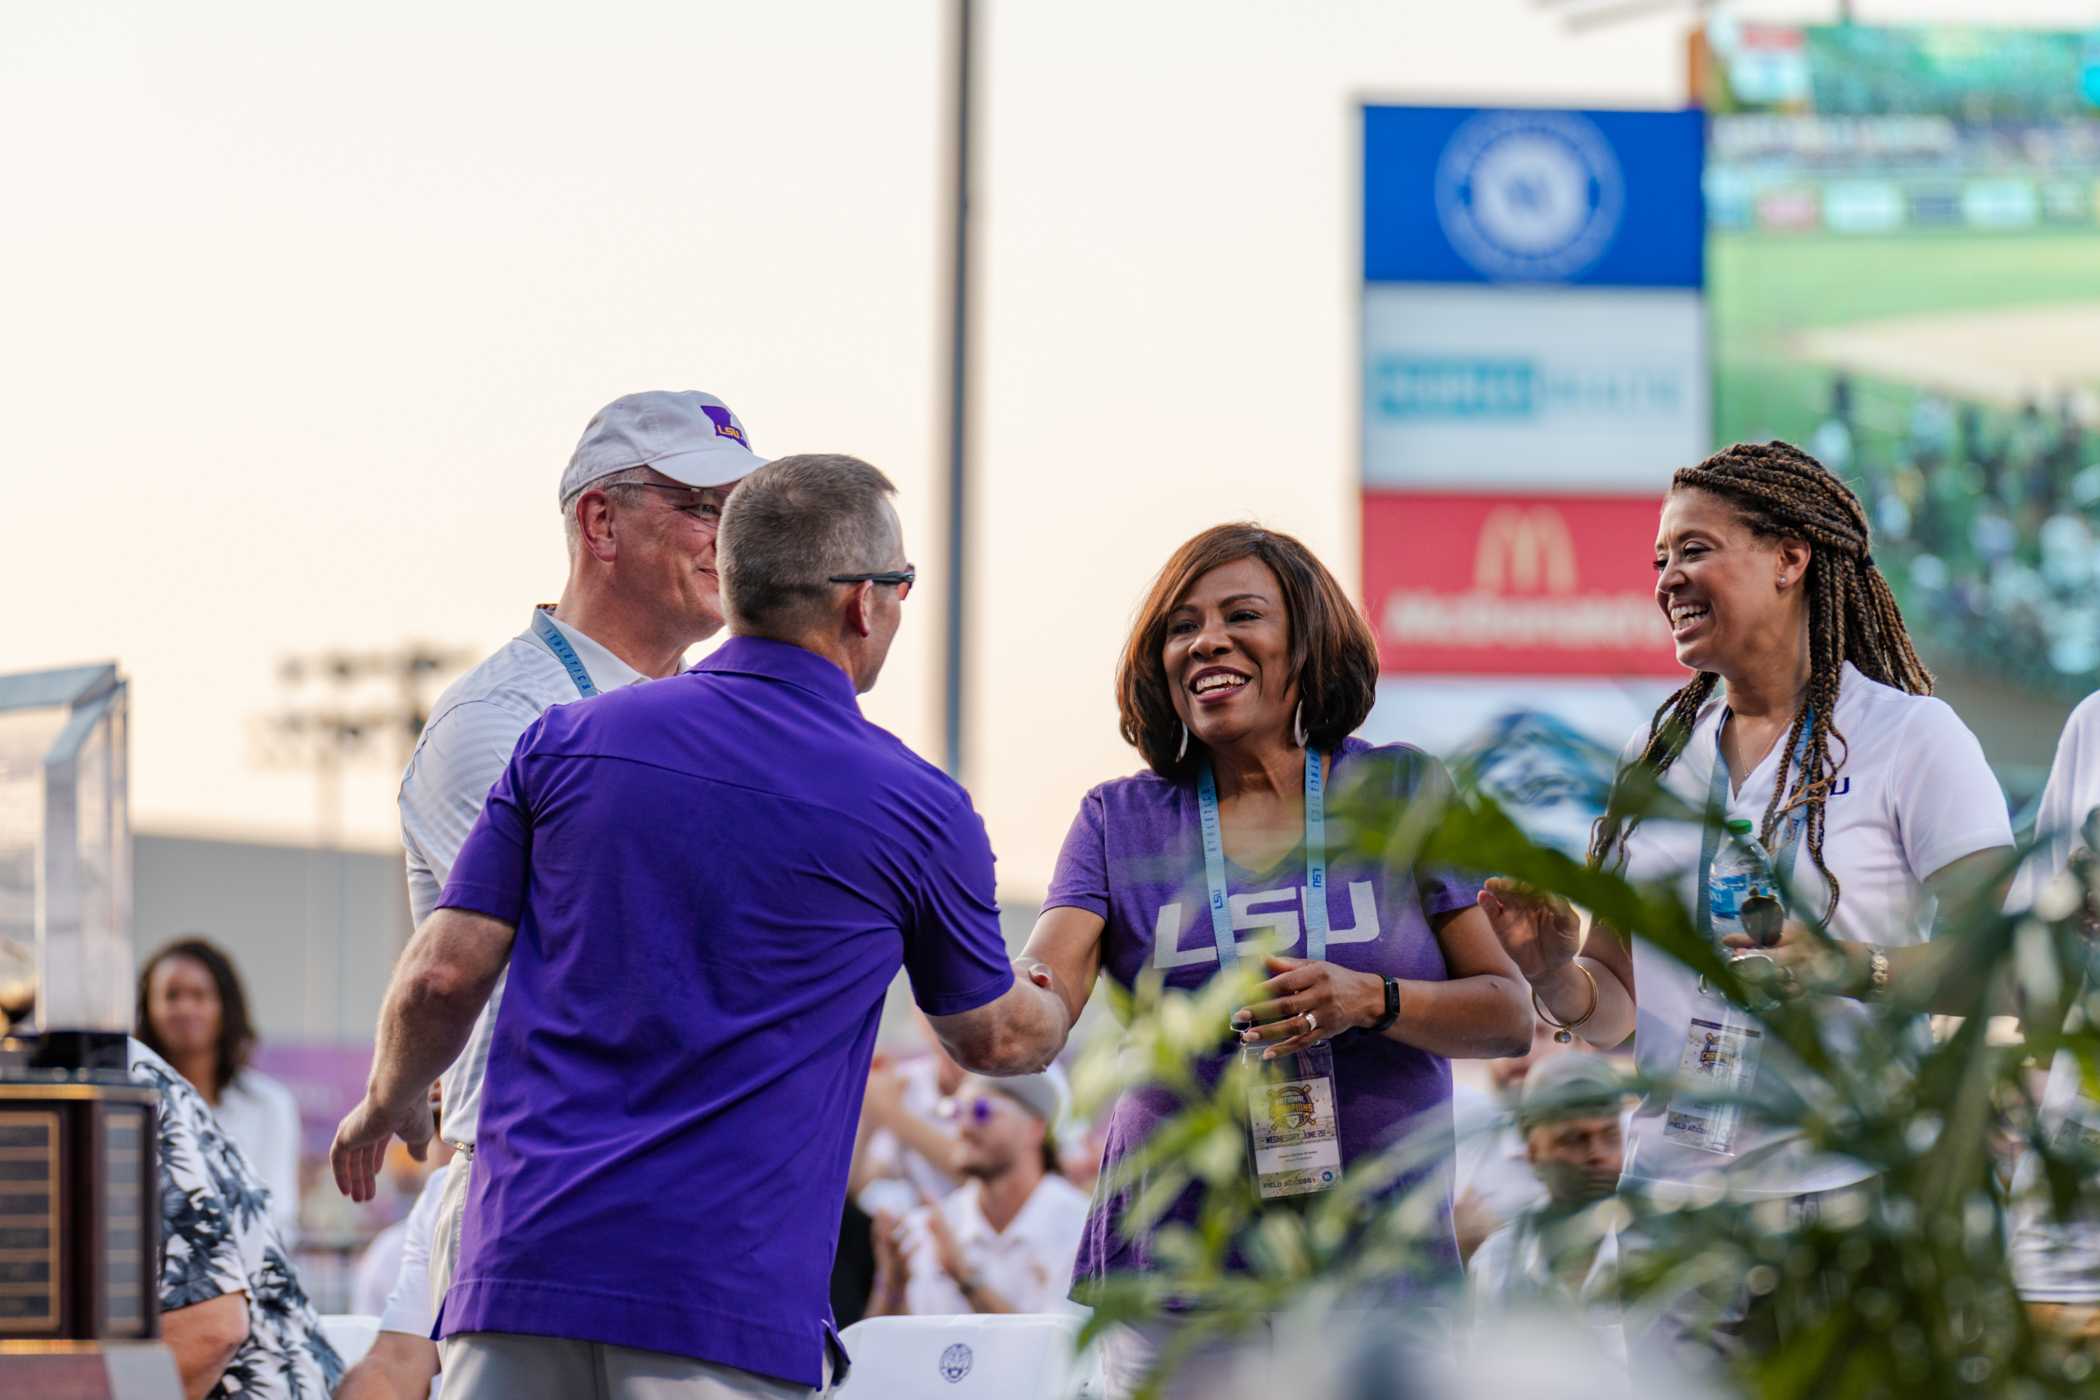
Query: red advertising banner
column 1493, row 585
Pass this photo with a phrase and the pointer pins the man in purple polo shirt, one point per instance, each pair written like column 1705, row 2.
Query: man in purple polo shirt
column 702, row 889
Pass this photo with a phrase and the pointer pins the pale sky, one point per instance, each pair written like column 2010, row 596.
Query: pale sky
column 308, row 307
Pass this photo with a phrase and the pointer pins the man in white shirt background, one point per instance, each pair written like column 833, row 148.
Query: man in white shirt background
column 1561, row 1251
column 1493, row 1181
column 640, row 499
column 1002, row 1242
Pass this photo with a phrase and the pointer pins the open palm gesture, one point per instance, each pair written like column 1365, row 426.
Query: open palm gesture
column 1540, row 931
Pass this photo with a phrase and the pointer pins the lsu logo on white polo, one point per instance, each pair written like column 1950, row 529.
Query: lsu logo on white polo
column 1281, row 910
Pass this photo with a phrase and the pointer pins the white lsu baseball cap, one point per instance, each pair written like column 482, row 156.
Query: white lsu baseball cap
column 689, row 436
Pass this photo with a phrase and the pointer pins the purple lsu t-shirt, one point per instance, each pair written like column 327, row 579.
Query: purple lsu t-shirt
column 714, row 880
column 1134, row 856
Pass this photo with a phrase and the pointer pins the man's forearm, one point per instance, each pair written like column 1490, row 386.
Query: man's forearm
column 1020, row 1032
column 399, row 1367
column 1033, row 1029
column 440, row 985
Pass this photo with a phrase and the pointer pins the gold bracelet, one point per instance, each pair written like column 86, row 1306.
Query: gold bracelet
column 1564, row 1031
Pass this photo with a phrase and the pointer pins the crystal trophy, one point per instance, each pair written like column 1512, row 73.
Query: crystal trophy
column 79, row 1254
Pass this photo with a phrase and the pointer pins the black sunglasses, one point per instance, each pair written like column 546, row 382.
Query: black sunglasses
column 900, row 579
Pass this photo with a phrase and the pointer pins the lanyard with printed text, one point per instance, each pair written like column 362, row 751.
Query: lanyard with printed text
column 543, row 627
column 1315, row 863
column 1717, row 811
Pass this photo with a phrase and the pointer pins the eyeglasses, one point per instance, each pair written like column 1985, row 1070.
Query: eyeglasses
column 900, row 579
column 699, row 500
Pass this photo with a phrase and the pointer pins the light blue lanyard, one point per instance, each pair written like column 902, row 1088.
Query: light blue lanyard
column 543, row 627
column 1315, row 863
column 1717, row 812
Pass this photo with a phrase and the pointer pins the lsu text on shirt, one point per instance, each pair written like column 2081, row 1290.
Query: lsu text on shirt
column 1911, row 795
column 1134, row 856
column 714, row 880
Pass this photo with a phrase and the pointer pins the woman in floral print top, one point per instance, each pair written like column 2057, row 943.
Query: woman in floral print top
column 217, row 1240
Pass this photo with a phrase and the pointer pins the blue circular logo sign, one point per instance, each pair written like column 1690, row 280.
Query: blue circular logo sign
column 1529, row 196
column 955, row 1363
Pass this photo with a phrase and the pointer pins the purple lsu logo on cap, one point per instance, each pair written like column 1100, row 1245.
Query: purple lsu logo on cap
column 724, row 425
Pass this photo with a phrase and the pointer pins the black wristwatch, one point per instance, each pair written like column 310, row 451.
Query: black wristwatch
column 1392, row 1008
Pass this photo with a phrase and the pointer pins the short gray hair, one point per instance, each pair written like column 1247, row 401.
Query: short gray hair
column 789, row 526
column 571, row 529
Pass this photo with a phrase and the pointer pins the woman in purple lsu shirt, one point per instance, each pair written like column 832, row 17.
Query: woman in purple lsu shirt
column 1247, row 658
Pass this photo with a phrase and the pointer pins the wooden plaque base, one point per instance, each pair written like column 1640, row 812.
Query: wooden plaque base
column 89, row 1371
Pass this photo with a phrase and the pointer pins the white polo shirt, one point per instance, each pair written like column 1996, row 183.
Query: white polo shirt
column 1029, row 1263
column 1912, row 794
column 1510, row 1272
column 2059, row 1261
column 465, row 746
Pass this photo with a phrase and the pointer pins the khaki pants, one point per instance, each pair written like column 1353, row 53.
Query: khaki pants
column 444, row 1237
column 508, row 1366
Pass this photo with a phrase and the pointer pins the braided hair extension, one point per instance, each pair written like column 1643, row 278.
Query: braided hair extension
column 1780, row 492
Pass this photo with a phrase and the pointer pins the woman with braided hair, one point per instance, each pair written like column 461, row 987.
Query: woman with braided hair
column 1809, row 715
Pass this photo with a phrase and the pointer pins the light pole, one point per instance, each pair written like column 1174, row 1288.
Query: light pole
column 954, row 694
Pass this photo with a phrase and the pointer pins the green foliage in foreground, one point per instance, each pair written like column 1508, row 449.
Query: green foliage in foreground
column 1904, row 1288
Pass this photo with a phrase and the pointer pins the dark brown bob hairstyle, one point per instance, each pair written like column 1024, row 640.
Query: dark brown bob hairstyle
column 1334, row 657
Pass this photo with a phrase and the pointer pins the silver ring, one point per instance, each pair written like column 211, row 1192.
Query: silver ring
column 1312, row 1022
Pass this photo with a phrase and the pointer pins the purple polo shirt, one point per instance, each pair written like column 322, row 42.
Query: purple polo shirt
column 714, row 880
column 1134, row 856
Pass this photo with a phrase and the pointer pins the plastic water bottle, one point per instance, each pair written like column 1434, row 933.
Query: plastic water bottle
column 1742, row 895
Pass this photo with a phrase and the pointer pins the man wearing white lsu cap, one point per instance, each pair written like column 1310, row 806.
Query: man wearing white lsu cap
column 640, row 502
